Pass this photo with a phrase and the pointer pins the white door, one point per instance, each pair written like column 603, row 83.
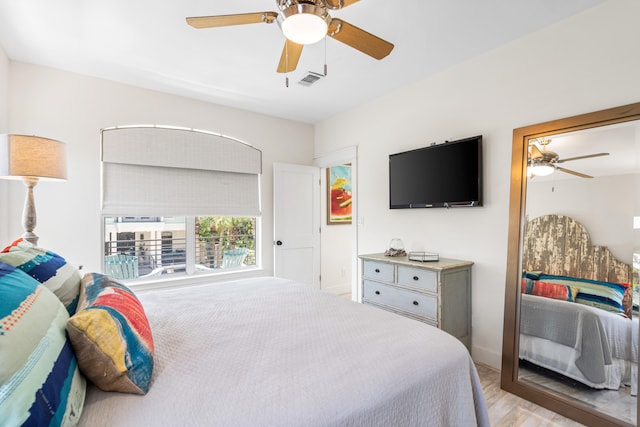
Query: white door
column 296, row 223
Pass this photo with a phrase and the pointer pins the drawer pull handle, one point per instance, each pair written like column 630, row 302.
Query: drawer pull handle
column 377, row 292
column 415, row 303
column 416, row 278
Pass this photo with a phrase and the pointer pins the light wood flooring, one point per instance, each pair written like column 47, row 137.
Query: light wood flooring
column 617, row 403
column 508, row 410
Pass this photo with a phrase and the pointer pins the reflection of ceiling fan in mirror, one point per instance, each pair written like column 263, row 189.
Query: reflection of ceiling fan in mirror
column 304, row 22
column 545, row 162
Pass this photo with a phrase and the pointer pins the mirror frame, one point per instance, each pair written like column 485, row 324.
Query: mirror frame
column 510, row 343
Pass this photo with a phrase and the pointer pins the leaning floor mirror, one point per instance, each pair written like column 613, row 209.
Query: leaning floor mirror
column 572, row 299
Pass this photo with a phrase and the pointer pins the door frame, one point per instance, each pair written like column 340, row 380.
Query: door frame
column 335, row 158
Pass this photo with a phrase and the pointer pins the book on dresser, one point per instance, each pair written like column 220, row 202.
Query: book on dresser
column 437, row 292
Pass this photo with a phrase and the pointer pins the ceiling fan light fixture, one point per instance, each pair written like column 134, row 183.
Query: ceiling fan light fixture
column 304, row 23
column 541, row 169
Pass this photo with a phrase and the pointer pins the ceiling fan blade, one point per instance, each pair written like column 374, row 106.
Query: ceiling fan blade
column 588, row 156
column 535, row 152
column 359, row 39
column 290, row 56
column 339, row 4
column 581, row 175
column 227, row 20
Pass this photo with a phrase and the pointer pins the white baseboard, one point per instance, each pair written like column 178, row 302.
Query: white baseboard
column 486, row 357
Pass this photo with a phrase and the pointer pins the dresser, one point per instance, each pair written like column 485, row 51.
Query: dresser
column 435, row 292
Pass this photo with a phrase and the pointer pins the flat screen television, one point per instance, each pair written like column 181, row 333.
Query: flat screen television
column 442, row 175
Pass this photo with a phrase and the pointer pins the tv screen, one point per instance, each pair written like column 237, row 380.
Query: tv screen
column 443, row 175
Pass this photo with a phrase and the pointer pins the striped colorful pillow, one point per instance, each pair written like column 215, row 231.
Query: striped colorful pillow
column 549, row 290
column 604, row 295
column 14, row 244
column 40, row 383
column 111, row 336
column 48, row 268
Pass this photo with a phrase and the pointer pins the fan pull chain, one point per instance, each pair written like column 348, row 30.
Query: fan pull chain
column 325, row 56
column 286, row 62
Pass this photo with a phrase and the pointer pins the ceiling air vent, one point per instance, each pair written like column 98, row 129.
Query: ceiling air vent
column 310, row 78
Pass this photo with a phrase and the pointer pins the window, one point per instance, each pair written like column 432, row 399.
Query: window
column 225, row 242
column 179, row 175
column 159, row 247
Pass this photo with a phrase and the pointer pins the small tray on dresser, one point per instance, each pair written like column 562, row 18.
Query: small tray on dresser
column 423, row 256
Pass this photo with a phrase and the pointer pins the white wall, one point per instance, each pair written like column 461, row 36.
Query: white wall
column 4, row 90
column 73, row 108
column 604, row 205
column 585, row 63
column 4, row 120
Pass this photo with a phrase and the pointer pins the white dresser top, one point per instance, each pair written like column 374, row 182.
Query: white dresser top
column 441, row 264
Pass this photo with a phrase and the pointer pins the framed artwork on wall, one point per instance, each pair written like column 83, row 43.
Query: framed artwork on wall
column 339, row 205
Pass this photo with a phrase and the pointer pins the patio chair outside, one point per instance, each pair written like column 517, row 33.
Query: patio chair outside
column 120, row 266
column 234, row 257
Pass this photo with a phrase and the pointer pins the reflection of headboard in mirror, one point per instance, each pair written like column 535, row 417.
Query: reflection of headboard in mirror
column 560, row 245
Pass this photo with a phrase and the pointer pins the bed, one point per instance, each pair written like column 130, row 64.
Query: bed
column 252, row 352
column 272, row 352
column 89, row 351
column 577, row 315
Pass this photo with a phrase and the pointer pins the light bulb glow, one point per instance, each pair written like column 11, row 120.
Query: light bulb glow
column 304, row 24
column 541, row 170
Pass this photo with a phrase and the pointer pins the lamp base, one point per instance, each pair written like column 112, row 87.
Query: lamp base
column 29, row 211
column 31, row 237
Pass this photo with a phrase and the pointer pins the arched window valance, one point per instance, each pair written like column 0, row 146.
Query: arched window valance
column 153, row 170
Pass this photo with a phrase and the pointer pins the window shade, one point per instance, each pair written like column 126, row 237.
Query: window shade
column 173, row 172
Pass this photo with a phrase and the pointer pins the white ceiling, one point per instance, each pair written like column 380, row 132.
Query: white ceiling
column 621, row 141
column 147, row 43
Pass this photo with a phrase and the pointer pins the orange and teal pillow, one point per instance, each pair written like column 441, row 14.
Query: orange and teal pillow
column 111, row 336
column 48, row 268
column 604, row 295
column 549, row 290
column 40, row 384
column 607, row 296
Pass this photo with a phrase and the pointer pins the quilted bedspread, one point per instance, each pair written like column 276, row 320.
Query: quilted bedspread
column 272, row 352
column 604, row 344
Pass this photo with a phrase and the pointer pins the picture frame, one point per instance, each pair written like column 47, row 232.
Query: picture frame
column 339, row 202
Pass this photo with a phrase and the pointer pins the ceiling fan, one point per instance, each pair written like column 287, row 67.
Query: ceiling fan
column 545, row 162
column 304, row 22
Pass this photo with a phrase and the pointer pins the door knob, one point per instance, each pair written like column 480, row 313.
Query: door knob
column 279, row 242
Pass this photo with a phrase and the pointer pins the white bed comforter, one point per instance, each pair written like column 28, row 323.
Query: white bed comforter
column 271, row 352
column 612, row 353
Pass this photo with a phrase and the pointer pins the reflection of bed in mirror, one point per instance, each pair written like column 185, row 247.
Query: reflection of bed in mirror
column 576, row 310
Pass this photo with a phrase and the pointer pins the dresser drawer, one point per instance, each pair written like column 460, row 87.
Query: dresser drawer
column 418, row 278
column 378, row 271
column 401, row 299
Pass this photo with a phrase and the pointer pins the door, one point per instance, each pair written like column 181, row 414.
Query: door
column 296, row 223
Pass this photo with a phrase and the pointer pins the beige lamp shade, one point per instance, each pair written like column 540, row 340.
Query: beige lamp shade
column 32, row 156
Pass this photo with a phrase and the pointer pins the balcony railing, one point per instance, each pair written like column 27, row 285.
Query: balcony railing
column 165, row 256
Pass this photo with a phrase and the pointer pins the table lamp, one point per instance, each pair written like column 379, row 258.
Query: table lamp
column 31, row 158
